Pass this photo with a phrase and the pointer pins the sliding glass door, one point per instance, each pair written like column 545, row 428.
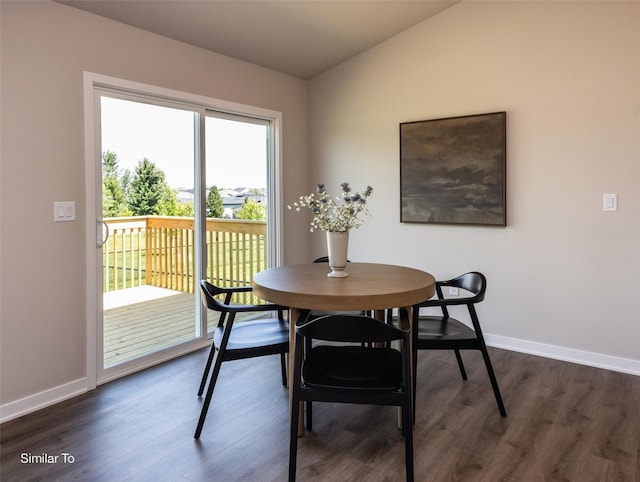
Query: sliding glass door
column 184, row 194
column 148, row 186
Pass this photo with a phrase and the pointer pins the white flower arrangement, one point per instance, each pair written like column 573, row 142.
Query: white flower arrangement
column 335, row 214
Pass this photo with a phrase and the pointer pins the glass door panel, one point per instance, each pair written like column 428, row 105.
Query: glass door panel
column 148, row 188
column 236, row 166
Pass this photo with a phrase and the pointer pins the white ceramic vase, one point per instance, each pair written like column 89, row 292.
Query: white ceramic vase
column 337, row 247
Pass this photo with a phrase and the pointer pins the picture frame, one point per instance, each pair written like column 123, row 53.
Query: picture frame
column 453, row 170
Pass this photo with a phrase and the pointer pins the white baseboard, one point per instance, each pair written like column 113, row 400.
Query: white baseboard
column 597, row 360
column 37, row 401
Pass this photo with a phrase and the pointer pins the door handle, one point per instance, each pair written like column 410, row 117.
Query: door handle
column 102, row 233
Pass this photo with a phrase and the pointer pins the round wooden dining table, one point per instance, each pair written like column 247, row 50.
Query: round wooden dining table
column 369, row 286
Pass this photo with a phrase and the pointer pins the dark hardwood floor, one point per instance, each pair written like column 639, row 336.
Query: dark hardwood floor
column 565, row 422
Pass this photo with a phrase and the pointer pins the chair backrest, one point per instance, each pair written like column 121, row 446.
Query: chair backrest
column 473, row 282
column 210, row 299
column 209, row 293
column 349, row 328
column 324, row 259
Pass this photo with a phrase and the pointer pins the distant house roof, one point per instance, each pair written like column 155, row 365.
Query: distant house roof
column 185, row 196
column 230, row 193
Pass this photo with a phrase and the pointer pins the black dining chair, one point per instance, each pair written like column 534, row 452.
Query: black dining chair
column 442, row 332
column 242, row 339
column 342, row 372
column 313, row 314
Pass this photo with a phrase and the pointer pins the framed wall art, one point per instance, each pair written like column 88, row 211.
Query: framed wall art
column 453, row 170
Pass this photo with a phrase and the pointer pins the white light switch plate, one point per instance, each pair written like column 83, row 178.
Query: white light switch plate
column 609, row 202
column 64, row 211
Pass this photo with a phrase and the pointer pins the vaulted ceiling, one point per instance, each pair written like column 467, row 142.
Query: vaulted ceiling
column 298, row 37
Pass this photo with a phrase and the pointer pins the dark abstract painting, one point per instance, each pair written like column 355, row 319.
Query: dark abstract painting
column 452, row 171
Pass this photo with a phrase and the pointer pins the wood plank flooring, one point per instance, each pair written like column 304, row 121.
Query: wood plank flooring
column 565, row 422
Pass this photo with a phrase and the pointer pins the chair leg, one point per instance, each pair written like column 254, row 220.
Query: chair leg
column 407, row 428
column 207, row 399
column 414, row 384
column 309, row 414
column 293, row 440
column 494, row 382
column 207, row 367
column 283, row 369
column 461, row 365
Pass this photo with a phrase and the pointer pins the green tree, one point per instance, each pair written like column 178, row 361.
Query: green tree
column 252, row 210
column 113, row 195
column 125, row 182
column 147, row 189
column 169, row 205
column 110, row 164
column 215, row 208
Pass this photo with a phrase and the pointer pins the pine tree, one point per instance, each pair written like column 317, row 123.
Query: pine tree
column 113, row 196
column 147, row 189
column 215, row 208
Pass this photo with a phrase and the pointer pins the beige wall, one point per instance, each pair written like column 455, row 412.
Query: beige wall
column 563, row 275
column 45, row 49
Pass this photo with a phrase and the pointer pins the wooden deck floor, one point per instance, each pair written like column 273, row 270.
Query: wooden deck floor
column 145, row 324
column 141, row 320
